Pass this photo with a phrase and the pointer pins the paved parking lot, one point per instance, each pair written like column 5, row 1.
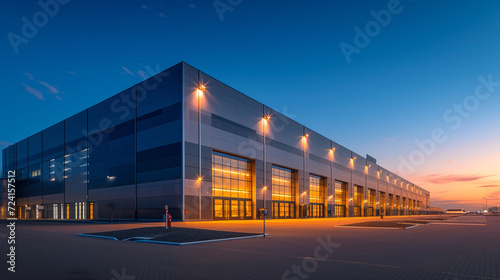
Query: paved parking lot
column 463, row 248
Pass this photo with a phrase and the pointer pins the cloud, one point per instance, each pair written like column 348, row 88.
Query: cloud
column 58, row 97
column 33, row 91
column 72, row 73
column 128, row 71
column 440, row 192
column 49, row 87
column 5, row 143
column 192, row 6
column 495, row 194
column 450, row 161
column 29, row 76
column 452, row 178
column 488, row 186
column 144, row 7
column 162, row 15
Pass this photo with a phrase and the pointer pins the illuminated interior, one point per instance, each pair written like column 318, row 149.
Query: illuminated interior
column 358, row 200
column 372, row 202
column 316, row 196
column 340, row 198
column 283, row 193
column 232, row 186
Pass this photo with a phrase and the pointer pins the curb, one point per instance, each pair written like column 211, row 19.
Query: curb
column 458, row 224
column 198, row 242
column 368, row 227
column 412, row 227
column 146, row 239
column 98, row 236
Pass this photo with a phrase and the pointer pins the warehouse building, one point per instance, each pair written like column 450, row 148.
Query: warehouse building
column 184, row 139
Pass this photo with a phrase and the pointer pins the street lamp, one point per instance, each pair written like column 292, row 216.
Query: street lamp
column 265, row 120
column 199, row 95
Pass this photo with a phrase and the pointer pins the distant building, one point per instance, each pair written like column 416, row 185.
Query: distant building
column 494, row 210
column 456, row 211
column 435, row 210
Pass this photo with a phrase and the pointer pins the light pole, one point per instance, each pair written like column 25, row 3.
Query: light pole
column 304, row 143
column 265, row 120
column 367, row 195
column 199, row 93
column 332, row 156
column 351, row 199
column 486, row 205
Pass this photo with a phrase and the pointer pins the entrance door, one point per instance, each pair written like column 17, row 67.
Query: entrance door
column 317, row 211
column 241, row 210
column 283, row 210
column 357, row 211
column 227, row 210
column 235, row 209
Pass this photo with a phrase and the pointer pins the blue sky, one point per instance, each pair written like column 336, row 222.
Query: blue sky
column 285, row 54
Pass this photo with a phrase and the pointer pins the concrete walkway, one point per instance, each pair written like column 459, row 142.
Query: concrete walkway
column 295, row 249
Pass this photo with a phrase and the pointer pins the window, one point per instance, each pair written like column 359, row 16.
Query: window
column 80, row 210
column 382, row 202
column 91, row 210
column 340, row 198
column 340, row 193
column 372, row 203
column 283, row 193
column 358, row 196
column 231, row 176
column 231, row 186
column 283, row 184
column 52, row 170
column 55, row 209
column 372, row 199
column 35, row 173
column 316, row 190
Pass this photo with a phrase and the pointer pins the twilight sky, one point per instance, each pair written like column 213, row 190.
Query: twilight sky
column 419, row 90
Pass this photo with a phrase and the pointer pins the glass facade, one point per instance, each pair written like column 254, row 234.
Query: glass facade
column 340, row 199
column 283, row 192
column 317, row 196
column 124, row 153
column 397, row 208
column 382, row 203
column 372, row 202
column 231, row 187
column 390, row 205
column 358, row 200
